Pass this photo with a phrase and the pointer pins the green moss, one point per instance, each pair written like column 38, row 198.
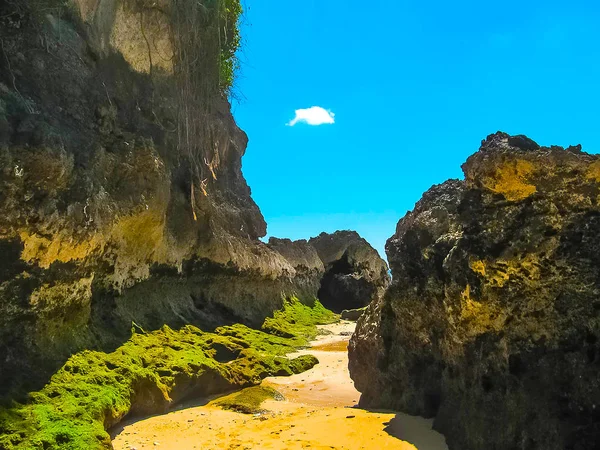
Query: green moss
column 249, row 400
column 303, row 363
column 290, row 328
column 231, row 11
column 94, row 391
column 298, row 321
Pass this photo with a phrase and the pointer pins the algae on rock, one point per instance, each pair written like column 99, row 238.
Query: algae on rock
column 149, row 374
column 249, row 400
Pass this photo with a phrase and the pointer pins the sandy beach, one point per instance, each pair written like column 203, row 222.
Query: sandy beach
column 318, row 413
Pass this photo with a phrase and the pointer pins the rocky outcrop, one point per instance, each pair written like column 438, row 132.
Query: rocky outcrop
column 302, row 256
column 492, row 321
column 121, row 194
column 342, row 268
column 352, row 314
column 354, row 275
column 122, row 201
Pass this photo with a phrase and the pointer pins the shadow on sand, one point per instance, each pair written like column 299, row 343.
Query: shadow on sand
column 130, row 419
column 417, row 431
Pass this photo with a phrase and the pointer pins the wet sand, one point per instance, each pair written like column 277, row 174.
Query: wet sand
column 317, row 413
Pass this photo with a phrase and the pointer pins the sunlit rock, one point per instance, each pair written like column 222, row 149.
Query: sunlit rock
column 491, row 323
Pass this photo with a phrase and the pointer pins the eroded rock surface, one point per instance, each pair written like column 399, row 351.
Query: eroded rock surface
column 121, row 193
column 354, row 275
column 352, row 314
column 122, row 201
column 492, row 321
column 345, row 271
column 302, row 256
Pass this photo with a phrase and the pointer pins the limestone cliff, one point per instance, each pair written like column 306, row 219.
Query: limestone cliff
column 492, row 321
column 122, row 201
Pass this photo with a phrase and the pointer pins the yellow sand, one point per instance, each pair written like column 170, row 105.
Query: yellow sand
column 317, row 414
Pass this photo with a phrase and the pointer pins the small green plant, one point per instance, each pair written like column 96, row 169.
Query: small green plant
column 207, row 36
column 230, row 14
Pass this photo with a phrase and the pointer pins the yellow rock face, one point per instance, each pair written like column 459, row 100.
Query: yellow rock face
column 499, row 272
column 139, row 238
column 478, row 317
column 138, row 30
column 45, row 251
column 478, row 267
column 143, row 39
column 512, row 179
column 593, row 172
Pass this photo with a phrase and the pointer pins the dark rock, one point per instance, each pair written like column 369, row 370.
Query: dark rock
column 492, row 321
column 345, row 270
column 523, row 142
column 352, row 314
column 355, row 274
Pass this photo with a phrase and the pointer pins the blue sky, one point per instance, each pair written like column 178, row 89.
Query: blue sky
column 415, row 86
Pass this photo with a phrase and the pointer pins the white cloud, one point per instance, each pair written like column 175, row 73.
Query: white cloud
column 313, row 116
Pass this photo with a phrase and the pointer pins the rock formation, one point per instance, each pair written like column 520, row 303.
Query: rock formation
column 354, row 275
column 352, row 314
column 342, row 268
column 492, row 321
column 302, row 256
column 122, row 201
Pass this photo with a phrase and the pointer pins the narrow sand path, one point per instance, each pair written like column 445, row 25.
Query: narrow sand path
column 317, row 413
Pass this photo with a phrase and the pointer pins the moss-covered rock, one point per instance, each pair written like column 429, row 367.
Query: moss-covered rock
column 150, row 373
column 296, row 321
column 249, row 400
